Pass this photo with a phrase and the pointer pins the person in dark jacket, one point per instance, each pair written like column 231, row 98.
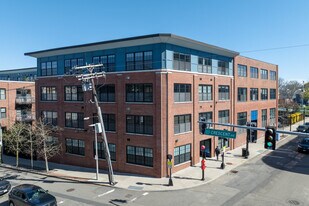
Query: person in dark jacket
column 217, row 151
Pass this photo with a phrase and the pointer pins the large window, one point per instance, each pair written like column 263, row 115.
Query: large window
column 224, row 92
column 224, row 116
column 75, row 146
column 182, row 92
column 182, row 154
column 48, row 94
column 108, row 62
column 264, row 94
column 272, row 93
column 140, row 124
column 254, row 94
column 242, row 94
column 182, row 123
column 272, row 116
column 74, row 120
column 205, row 92
column 140, row 156
column 242, row 70
column 109, row 122
column 101, row 151
column 2, row 112
column 204, row 65
column 223, row 68
column 241, row 120
column 69, row 64
column 73, row 93
column 182, row 62
column 139, row 93
column 2, row 94
column 48, row 68
column 106, row 93
column 207, row 117
column 264, row 74
column 254, row 72
column 49, row 117
column 264, row 117
column 273, row 75
column 139, row 61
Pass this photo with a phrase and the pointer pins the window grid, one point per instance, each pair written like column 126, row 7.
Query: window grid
column 254, row 72
column 73, row 93
column 108, row 61
column 204, row 65
column 182, row 92
column 224, row 92
column 74, row 120
column 264, row 94
column 140, row 156
column 242, row 70
column 2, row 112
column 182, row 123
column 2, row 94
column 223, row 68
column 48, row 94
column 241, row 120
column 264, row 117
column 49, row 68
column 224, row 116
column 182, row 154
column 205, row 92
column 49, row 117
column 139, row 93
column 139, row 61
column 101, row 151
column 264, row 74
column 139, row 124
column 272, row 116
column 106, row 93
column 242, row 94
column 254, row 94
column 75, row 146
column 182, row 62
column 70, row 63
column 272, row 94
column 273, row 75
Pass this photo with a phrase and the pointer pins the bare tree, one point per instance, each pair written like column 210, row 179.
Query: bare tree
column 15, row 139
column 288, row 88
column 29, row 149
column 46, row 145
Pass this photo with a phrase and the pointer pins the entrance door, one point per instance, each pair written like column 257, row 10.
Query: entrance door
column 207, row 144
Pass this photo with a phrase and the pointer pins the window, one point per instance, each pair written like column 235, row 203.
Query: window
column 140, row 156
column 139, row 124
column 101, row 151
column 242, row 94
column 106, row 93
column 272, row 93
column 207, row 116
column 272, row 116
column 224, row 92
column 273, row 75
column 49, row 68
column 2, row 112
column 223, row 142
column 49, row 117
column 139, row 61
column 182, row 62
column 223, row 68
column 109, row 122
column 242, row 70
column 182, row 92
column 70, row 63
column 139, row 93
column 224, row 116
column 182, row 123
column 2, row 94
column 241, row 120
column 182, row 154
column 73, row 93
column 264, row 117
column 75, row 146
column 205, row 92
column 264, row 94
column 48, row 94
column 254, row 94
column 74, row 120
column 204, row 65
column 264, row 74
column 254, row 72
column 108, row 61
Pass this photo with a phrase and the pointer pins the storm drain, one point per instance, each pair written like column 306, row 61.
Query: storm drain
column 293, row 202
column 70, row 190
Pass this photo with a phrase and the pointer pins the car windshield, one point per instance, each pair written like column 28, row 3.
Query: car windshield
column 301, row 127
column 305, row 141
column 35, row 194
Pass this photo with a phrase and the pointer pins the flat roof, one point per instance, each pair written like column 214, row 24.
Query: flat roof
column 135, row 41
column 30, row 69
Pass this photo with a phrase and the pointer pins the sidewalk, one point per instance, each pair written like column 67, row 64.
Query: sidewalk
column 187, row 178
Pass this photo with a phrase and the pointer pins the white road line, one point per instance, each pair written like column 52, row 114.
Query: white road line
column 60, row 202
column 133, row 199
column 146, row 193
column 106, row 193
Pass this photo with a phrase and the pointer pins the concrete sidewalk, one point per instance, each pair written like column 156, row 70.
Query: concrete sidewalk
column 187, row 178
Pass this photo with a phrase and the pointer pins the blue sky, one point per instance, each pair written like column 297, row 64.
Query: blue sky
column 240, row 25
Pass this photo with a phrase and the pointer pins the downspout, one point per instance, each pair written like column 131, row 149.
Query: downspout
column 167, row 111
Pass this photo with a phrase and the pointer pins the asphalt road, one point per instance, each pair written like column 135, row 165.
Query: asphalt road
column 279, row 177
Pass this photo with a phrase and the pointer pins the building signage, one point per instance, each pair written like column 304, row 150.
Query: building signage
column 221, row 133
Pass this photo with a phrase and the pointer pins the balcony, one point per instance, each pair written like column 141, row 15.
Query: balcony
column 26, row 117
column 24, row 99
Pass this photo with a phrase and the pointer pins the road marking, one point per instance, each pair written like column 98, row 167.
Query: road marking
column 133, row 199
column 60, row 202
column 106, row 193
column 146, row 193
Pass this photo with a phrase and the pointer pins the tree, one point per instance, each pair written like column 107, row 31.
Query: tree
column 46, row 145
column 15, row 139
column 306, row 94
column 288, row 88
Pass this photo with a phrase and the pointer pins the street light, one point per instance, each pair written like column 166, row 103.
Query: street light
column 97, row 129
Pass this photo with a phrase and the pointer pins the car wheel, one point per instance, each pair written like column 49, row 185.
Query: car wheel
column 12, row 204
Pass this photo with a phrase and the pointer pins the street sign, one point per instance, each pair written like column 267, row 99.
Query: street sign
column 169, row 163
column 221, row 133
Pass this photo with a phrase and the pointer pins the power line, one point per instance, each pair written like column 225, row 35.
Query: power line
column 276, row 48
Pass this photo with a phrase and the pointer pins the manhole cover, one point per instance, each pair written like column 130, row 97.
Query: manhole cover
column 234, row 171
column 70, row 190
column 293, row 202
column 229, row 163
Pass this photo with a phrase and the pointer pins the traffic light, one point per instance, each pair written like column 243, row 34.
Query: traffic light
column 203, row 125
column 270, row 138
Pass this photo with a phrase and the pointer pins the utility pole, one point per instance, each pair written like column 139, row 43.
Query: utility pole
column 302, row 103
column 1, row 148
column 88, row 84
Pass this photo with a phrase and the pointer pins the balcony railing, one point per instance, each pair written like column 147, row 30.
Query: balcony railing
column 24, row 117
column 24, row 99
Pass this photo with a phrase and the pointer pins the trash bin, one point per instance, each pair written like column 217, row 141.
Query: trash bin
column 244, row 152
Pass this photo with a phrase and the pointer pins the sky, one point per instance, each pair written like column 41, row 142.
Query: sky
column 274, row 31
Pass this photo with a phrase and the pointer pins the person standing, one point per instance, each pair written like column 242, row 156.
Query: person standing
column 217, row 151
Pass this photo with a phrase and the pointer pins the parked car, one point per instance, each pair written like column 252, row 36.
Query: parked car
column 303, row 145
column 307, row 124
column 5, row 186
column 30, row 195
column 302, row 128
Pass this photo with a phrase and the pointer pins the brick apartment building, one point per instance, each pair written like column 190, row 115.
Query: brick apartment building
column 156, row 89
column 17, row 102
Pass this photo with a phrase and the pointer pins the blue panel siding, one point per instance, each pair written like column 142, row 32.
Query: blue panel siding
column 254, row 115
column 194, row 61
